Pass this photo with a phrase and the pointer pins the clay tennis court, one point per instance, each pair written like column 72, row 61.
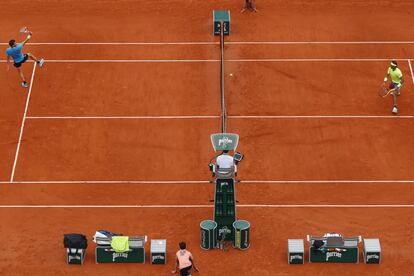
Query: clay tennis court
column 114, row 131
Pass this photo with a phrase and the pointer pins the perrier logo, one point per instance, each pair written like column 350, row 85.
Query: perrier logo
column 119, row 255
column 373, row 256
column 333, row 254
column 224, row 141
column 158, row 257
column 296, row 257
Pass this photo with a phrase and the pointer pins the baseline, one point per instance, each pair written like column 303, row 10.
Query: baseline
column 216, row 43
column 218, row 60
column 318, row 117
column 211, row 206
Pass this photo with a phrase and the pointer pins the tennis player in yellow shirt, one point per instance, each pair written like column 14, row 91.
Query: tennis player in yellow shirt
column 397, row 81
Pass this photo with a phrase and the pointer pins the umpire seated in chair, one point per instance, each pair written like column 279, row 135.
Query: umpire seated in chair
column 225, row 167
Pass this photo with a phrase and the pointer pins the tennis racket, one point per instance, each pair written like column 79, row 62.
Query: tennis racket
column 384, row 91
column 25, row 30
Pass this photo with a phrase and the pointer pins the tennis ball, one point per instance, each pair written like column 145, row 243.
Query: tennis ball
column 231, row 74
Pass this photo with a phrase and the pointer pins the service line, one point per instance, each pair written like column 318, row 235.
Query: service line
column 216, row 117
column 23, row 122
column 242, row 182
column 123, row 117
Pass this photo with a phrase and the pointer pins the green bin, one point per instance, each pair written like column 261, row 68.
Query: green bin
column 208, row 234
column 241, row 234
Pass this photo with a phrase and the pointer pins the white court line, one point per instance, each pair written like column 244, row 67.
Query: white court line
column 109, row 182
column 123, row 117
column 206, row 182
column 215, row 43
column 318, row 117
column 326, row 205
column 126, row 60
column 230, row 117
column 217, row 60
column 313, row 60
column 315, row 42
column 127, row 43
column 106, row 206
column 23, row 122
column 325, row 181
column 211, row 206
column 132, row 60
column 411, row 70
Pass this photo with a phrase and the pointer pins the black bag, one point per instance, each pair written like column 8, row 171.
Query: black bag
column 76, row 241
column 318, row 244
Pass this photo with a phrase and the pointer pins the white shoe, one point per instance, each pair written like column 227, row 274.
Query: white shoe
column 41, row 62
column 394, row 110
column 24, row 84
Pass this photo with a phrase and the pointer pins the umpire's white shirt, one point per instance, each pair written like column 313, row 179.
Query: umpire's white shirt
column 225, row 161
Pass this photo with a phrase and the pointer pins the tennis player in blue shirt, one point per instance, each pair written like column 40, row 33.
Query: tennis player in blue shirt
column 15, row 53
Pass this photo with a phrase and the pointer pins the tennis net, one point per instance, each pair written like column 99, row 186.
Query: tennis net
column 222, row 98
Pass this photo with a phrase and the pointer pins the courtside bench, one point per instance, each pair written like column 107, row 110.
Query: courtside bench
column 335, row 249
column 136, row 253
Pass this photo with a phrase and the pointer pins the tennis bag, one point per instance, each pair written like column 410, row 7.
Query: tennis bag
column 103, row 237
column 317, row 244
column 76, row 241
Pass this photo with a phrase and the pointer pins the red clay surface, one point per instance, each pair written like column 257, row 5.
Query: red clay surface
column 269, row 233
column 319, row 51
column 334, row 149
column 202, row 193
column 313, row 89
column 128, row 52
column 179, row 149
column 11, row 113
column 116, row 150
column 131, row 89
column 328, row 149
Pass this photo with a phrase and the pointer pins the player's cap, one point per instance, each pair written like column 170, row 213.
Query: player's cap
column 394, row 63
